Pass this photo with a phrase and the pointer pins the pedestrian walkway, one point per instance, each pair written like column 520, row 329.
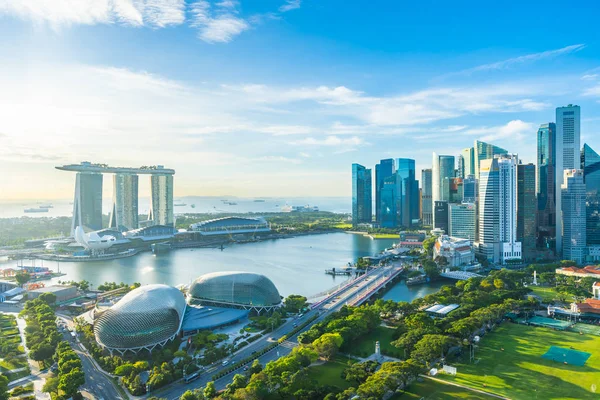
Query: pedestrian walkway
column 464, row 387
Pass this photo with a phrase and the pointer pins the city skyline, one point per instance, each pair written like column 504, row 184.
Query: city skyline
column 197, row 88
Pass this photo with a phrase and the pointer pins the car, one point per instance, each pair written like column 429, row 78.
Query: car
column 295, row 325
column 272, row 338
column 246, row 368
column 225, row 362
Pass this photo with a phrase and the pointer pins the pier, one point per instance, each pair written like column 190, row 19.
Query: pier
column 344, row 271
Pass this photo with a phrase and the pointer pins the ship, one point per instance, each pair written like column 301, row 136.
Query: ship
column 417, row 280
column 35, row 210
column 179, row 205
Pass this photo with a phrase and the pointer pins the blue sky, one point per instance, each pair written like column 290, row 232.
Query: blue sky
column 276, row 97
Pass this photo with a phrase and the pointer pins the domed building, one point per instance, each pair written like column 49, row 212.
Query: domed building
column 143, row 319
column 245, row 290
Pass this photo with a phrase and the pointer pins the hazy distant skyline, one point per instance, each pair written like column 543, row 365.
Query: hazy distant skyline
column 276, row 97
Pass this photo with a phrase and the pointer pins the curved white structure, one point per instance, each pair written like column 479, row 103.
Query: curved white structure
column 92, row 240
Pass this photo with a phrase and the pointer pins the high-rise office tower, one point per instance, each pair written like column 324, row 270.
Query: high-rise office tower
column 408, row 192
column 388, row 194
column 468, row 156
column 484, row 151
column 573, row 216
column 87, row 204
column 590, row 164
column 526, row 210
column 161, row 200
column 383, row 170
column 452, row 190
column 567, row 156
column 427, row 205
column 545, row 183
column 361, row 195
column 440, row 212
column 469, row 189
column 498, row 209
column 462, row 221
column 124, row 212
column 460, row 170
column 442, row 167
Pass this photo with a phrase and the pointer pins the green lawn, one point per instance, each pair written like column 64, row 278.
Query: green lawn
column 385, row 235
column 17, row 362
column 343, row 226
column 432, row 390
column 366, row 346
column 547, row 294
column 330, row 373
column 519, row 371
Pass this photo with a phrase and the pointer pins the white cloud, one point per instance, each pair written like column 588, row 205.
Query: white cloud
column 592, row 91
column 217, row 26
column 330, row 141
column 290, row 5
column 589, row 77
column 529, row 58
column 515, row 129
column 280, row 159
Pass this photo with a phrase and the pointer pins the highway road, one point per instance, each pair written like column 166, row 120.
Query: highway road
column 345, row 295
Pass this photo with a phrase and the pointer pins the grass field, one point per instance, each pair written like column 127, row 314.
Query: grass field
column 432, row 390
column 366, row 346
column 547, row 294
column 384, row 235
column 17, row 362
column 343, row 226
column 330, row 373
column 520, row 372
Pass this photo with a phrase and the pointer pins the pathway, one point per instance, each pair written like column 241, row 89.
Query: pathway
column 464, row 387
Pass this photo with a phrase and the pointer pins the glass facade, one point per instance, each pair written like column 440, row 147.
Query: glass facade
column 590, row 163
column 383, row 170
column 442, row 167
column 484, row 151
column 526, row 210
column 545, row 184
column 146, row 317
column 462, row 219
column 573, row 193
column 161, row 207
column 388, row 203
column 124, row 213
column 426, row 204
column 440, row 210
column 243, row 289
column 407, row 200
column 362, row 203
column 468, row 157
column 87, row 205
column 469, row 189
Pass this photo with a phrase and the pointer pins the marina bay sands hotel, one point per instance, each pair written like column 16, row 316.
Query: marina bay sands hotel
column 87, row 204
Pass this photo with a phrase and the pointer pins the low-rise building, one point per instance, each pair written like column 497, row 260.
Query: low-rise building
column 590, row 308
column 457, row 251
column 441, row 310
column 585, row 272
column 62, row 293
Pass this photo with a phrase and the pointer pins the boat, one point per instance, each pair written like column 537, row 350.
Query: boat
column 231, row 203
column 416, row 280
column 179, row 205
column 259, row 201
column 193, row 206
column 35, row 210
column 46, row 206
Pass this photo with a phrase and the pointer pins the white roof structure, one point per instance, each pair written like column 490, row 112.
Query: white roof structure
column 442, row 309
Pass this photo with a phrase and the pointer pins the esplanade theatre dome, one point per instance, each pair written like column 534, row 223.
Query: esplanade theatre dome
column 144, row 318
column 235, row 289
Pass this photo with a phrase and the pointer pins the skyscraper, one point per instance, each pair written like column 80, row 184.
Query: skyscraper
column 124, row 212
column 361, row 195
column 452, row 190
column 462, row 221
column 161, row 205
column 388, row 203
column 573, row 216
column 468, row 156
column 408, row 192
column 383, row 170
column 590, row 163
column 427, row 205
column 545, row 183
column 526, row 210
column 440, row 212
column 442, row 167
column 498, row 209
column 460, row 170
column 87, row 204
column 567, row 156
column 469, row 189
column 484, row 151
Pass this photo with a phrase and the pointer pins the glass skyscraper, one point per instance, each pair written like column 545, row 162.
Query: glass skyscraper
column 573, row 192
column 161, row 206
column 526, row 209
column 442, row 167
column 462, row 221
column 361, row 195
column 590, row 163
column 383, row 170
column 87, row 204
column 468, row 156
column 124, row 213
column 426, row 203
column 407, row 207
column 484, row 151
column 469, row 189
column 545, row 183
column 440, row 212
column 388, row 203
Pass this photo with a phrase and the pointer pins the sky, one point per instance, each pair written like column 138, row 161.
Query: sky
column 279, row 97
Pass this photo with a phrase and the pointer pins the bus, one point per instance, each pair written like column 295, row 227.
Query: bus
column 192, row 377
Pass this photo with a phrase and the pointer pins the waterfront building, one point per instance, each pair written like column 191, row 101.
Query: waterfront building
column 526, row 210
column 231, row 226
column 426, row 203
column 161, row 205
column 87, row 204
column 361, row 195
column 497, row 240
column 545, row 184
column 407, row 198
column 590, row 163
column 462, row 221
column 440, row 212
column 442, row 167
column 469, row 186
column 383, row 170
column 484, row 151
column 468, row 156
column 573, row 216
column 567, row 157
column 124, row 212
column 457, row 251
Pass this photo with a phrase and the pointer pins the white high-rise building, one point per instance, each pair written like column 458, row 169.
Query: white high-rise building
column 462, row 221
column 498, row 209
column 573, row 194
column 567, row 157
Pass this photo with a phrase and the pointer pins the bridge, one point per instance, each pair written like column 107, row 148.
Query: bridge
column 460, row 275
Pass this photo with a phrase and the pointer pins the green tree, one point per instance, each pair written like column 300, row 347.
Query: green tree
column 210, row 391
column 4, row 388
column 51, row 385
column 48, row 298
column 41, row 352
column 428, row 244
column 328, row 345
column 188, row 395
column 22, row 278
column 431, row 347
column 295, row 303
column 431, row 269
column 69, row 383
column 255, row 368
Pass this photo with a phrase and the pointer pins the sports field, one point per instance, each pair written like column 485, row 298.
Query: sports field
column 511, row 364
